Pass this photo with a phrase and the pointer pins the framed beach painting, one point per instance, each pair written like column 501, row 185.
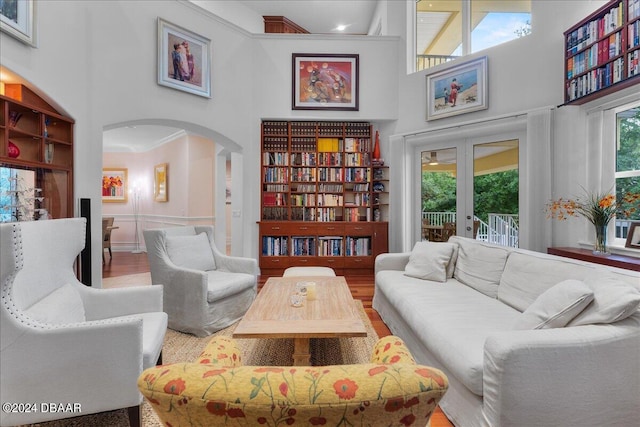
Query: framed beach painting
column 457, row 90
column 325, row 82
column 114, row 185
column 161, row 182
column 183, row 59
column 18, row 18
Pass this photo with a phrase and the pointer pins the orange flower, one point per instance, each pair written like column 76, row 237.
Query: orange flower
column 213, row 372
column 428, row 373
column 176, row 386
column 394, row 404
column 345, row 389
column 217, row 408
column 408, row 420
column 235, row 413
column 377, row 370
column 284, row 389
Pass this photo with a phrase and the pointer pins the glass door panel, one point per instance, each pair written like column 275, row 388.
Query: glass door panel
column 438, row 194
column 495, row 193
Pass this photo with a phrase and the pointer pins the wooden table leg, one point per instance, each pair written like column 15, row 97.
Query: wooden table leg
column 301, row 354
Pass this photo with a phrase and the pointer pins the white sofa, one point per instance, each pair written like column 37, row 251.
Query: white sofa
column 477, row 321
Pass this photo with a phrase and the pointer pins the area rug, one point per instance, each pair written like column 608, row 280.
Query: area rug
column 179, row 347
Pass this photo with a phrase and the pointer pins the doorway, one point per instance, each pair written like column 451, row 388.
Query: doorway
column 470, row 188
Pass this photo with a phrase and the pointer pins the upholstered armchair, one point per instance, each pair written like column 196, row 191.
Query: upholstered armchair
column 63, row 342
column 204, row 289
column 217, row 390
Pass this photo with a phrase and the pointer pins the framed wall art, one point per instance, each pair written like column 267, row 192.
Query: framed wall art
column 325, row 82
column 114, row 185
column 183, row 59
column 161, row 182
column 633, row 236
column 457, row 90
column 18, row 18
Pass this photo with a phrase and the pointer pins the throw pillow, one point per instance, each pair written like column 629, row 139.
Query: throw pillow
column 613, row 300
column 63, row 305
column 429, row 261
column 557, row 306
column 192, row 252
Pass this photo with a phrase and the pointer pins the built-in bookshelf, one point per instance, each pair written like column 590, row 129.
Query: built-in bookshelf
column 35, row 137
column 324, row 199
column 602, row 52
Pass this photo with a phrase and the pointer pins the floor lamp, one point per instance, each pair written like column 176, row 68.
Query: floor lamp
column 135, row 199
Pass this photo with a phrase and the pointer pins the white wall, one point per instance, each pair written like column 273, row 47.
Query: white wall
column 97, row 60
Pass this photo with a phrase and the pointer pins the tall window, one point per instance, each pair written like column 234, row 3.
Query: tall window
column 447, row 29
column 627, row 165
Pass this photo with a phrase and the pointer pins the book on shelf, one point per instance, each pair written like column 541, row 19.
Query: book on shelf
column 328, row 144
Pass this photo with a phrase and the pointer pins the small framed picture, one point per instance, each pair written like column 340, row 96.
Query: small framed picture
column 114, row 185
column 183, row 59
column 633, row 236
column 457, row 90
column 324, row 82
column 18, row 18
column 161, row 182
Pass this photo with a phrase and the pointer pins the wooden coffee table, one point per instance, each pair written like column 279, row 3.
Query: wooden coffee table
column 332, row 314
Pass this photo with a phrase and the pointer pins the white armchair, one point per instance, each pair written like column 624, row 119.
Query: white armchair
column 204, row 289
column 63, row 342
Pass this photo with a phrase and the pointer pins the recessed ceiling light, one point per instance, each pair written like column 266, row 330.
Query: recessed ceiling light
column 341, row 27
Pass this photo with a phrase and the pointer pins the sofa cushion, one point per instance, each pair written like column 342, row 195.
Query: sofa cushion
column 222, row 284
column 556, row 306
column 63, row 305
column 613, row 301
column 453, row 320
column 429, row 261
column 191, row 252
column 479, row 265
column 528, row 274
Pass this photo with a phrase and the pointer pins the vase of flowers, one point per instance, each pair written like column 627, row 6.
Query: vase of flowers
column 598, row 208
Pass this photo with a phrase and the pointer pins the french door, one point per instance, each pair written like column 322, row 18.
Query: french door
column 470, row 187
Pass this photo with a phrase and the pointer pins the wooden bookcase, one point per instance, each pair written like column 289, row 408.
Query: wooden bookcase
column 44, row 139
column 602, row 52
column 323, row 201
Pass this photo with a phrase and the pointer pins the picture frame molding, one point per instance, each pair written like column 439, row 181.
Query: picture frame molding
column 161, row 194
column 25, row 29
column 298, row 104
column 164, row 56
column 125, row 184
column 438, row 111
column 633, row 236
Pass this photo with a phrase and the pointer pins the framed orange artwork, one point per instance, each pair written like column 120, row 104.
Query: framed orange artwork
column 114, row 185
column 161, row 182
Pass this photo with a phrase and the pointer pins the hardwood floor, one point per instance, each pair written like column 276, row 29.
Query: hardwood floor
column 124, row 263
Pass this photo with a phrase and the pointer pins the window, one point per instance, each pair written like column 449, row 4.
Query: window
column 627, row 165
column 448, row 29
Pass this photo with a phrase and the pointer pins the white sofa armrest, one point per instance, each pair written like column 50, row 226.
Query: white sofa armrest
column 107, row 303
column 236, row 264
column 392, row 261
column 552, row 377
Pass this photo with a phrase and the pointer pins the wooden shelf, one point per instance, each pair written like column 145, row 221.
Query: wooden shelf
column 619, row 261
column 319, row 198
column 44, row 139
column 602, row 52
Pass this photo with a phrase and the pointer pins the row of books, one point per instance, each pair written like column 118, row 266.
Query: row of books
column 303, row 128
column 274, row 245
column 594, row 30
column 633, row 59
column 355, row 214
column 303, row 214
column 274, row 199
column 330, row 199
column 357, row 159
column 354, row 145
column 596, row 55
column 277, row 188
column 596, row 79
column 633, row 9
column 329, row 144
column 303, row 159
column 275, row 159
column 633, row 34
column 359, row 199
column 303, row 174
column 303, row 144
column 330, row 174
column 330, row 246
column 303, row 246
column 357, row 174
column 330, row 159
column 303, row 199
column 275, row 214
column 275, row 128
column 358, row 246
column 275, row 174
column 275, row 144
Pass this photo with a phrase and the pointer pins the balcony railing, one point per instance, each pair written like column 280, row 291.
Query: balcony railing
column 427, row 61
column 502, row 229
